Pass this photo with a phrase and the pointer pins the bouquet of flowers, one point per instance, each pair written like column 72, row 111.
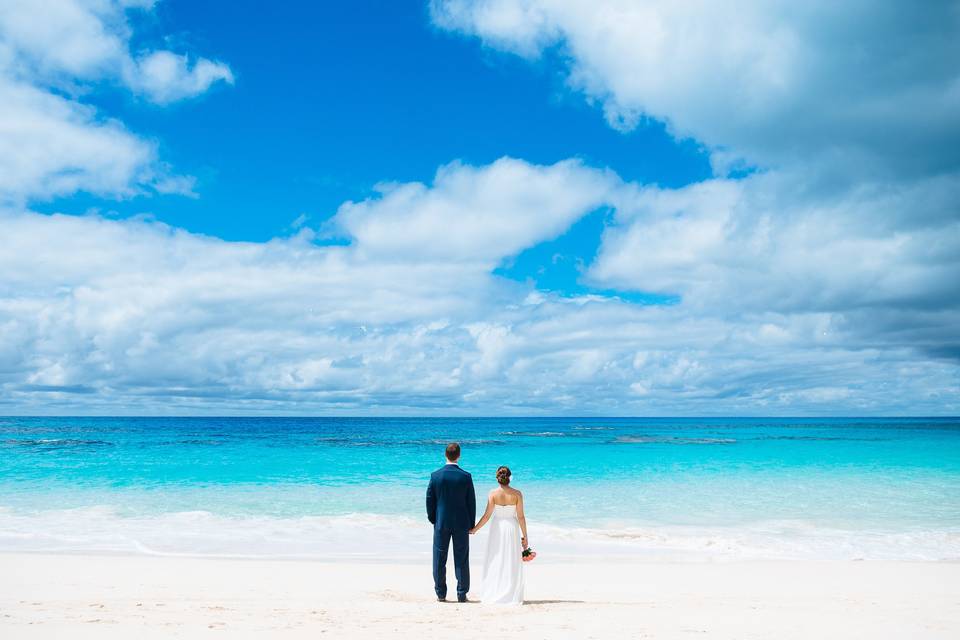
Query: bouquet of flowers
column 528, row 555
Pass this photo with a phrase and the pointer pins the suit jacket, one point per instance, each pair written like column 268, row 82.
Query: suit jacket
column 451, row 500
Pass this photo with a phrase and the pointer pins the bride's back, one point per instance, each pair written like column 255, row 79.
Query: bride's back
column 505, row 496
column 503, row 566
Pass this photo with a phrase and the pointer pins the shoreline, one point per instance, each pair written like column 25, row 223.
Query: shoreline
column 401, row 538
column 475, row 554
column 87, row 596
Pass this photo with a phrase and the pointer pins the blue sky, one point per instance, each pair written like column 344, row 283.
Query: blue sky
column 332, row 98
column 478, row 207
column 352, row 94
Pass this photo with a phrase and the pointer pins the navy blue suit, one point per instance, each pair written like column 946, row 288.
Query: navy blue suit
column 452, row 510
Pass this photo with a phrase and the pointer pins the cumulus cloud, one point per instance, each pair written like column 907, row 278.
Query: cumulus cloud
column 89, row 40
column 822, row 282
column 65, row 38
column 50, row 145
column 845, row 116
column 768, row 82
column 166, row 77
column 131, row 316
column 52, row 53
column 764, row 243
column 134, row 316
column 476, row 214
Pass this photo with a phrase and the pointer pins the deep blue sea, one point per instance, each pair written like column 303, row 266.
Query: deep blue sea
column 709, row 489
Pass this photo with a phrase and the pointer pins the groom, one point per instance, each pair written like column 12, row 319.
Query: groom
column 452, row 510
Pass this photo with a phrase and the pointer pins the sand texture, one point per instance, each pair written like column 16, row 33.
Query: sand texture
column 73, row 596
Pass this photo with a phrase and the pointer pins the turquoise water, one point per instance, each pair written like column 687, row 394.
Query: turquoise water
column 293, row 486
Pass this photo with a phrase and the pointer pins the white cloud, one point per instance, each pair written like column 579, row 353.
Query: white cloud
column 475, row 214
column 762, row 244
column 802, row 290
column 769, row 81
column 52, row 53
column 494, row 342
column 166, row 77
column 134, row 316
column 70, row 37
column 50, row 146
column 846, row 111
column 89, row 40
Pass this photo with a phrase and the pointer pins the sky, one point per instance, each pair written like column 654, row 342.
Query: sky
column 479, row 207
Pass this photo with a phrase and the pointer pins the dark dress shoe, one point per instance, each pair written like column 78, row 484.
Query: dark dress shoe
column 439, row 599
column 462, row 599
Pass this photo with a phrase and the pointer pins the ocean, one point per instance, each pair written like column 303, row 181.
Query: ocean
column 697, row 489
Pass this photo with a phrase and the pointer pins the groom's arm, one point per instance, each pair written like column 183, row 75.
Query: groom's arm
column 472, row 503
column 431, row 503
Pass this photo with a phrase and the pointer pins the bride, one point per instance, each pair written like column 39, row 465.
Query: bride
column 503, row 566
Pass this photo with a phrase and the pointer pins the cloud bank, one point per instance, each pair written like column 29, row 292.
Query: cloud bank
column 132, row 315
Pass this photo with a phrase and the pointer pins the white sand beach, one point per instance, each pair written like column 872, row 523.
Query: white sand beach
column 112, row 596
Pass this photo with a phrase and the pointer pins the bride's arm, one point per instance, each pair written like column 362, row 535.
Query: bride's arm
column 523, row 522
column 486, row 515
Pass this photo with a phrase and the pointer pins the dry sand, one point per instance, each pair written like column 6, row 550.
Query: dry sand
column 73, row 596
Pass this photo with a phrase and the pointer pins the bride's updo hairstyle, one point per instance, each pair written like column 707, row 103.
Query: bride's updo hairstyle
column 503, row 476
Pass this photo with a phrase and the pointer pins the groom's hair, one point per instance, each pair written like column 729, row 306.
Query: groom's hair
column 453, row 451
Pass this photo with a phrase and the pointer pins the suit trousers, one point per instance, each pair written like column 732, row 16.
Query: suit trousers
column 461, row 560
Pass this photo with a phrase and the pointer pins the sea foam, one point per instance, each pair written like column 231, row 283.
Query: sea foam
column 365, row 536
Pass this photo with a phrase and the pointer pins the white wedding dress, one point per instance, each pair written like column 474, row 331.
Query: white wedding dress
column 503, row 566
